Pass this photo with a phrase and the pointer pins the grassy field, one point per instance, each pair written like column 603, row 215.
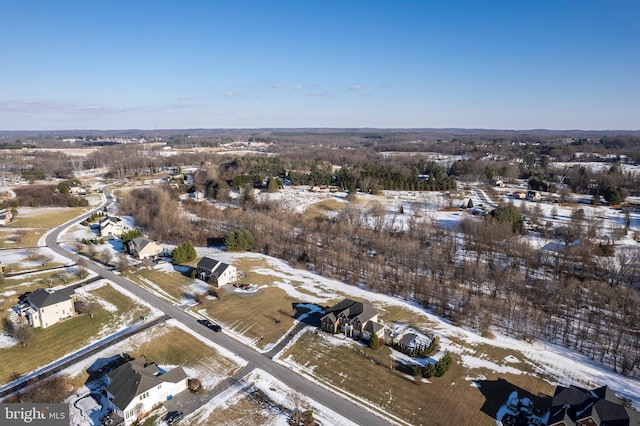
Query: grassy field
column 173, row 284
column 47, row 345
column 18, row 238
column 264, row 316
column 372, row 375
column 47, row 217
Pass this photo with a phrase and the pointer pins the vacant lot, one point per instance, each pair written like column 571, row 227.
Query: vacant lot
column 172, row 284
column 264, row 316
column 375, row 377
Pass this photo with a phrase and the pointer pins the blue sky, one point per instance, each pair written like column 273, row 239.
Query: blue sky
column 514, row 64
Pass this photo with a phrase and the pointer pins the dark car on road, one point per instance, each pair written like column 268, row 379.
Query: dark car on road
column 205, row 322
column 210, row 325
column 173, row 417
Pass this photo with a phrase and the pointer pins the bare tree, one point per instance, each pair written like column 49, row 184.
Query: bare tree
column 87, row 307
column 122, row 263
column 22, row 332
column 81, row 268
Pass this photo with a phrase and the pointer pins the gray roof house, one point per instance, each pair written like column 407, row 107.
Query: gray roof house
column 138, row 387
column 216, row 272
column 45, row 307
column 143, row 248
column 353, row 319
column 575, row 406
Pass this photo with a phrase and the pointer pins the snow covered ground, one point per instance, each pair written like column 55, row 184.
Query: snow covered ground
column 566, row 367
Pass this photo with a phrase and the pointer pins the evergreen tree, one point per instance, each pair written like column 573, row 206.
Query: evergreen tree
column 130, row 235
column 183, row 253
column 239, row 240
column 470, row 204
column 374, row 342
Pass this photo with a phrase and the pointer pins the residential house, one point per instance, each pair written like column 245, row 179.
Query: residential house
column 533, row 196
column 353, row 319
column 112, row 226
column 77, row 189
column 216, row 272
column 45, row 307
column 5, row 217
column 137, row 387
column 198, row 195
column 574, row 406
column 142, row 248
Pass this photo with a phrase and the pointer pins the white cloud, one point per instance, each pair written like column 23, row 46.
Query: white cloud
column 355, row 87
column 299, row 87
column 230, row 93
column 277, row 85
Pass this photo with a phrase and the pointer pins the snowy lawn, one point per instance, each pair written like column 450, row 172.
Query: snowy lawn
column 261, row 399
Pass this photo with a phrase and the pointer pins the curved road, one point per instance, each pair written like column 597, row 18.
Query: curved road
column 340, row 404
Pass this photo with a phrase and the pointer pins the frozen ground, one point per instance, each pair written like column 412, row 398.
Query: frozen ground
column 565, row 366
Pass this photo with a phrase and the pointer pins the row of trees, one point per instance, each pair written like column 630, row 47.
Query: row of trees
column 418, row 351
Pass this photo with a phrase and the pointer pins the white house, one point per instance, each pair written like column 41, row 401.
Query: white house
column 45, row 307
column 112, row 226
column 137, row 387
column 216, row 272
column 143, row 248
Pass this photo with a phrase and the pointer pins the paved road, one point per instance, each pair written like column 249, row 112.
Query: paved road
column 337, row 403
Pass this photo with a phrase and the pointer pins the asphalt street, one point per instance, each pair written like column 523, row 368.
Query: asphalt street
column 336, row 402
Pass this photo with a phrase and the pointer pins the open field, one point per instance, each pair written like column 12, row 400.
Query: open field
column 45, row 217
column 374, row 376
column 47, row 345
column 19, row 238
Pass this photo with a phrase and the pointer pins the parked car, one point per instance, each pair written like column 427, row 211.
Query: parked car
column 214, row 327
column 205, row 322
column 174, row 417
